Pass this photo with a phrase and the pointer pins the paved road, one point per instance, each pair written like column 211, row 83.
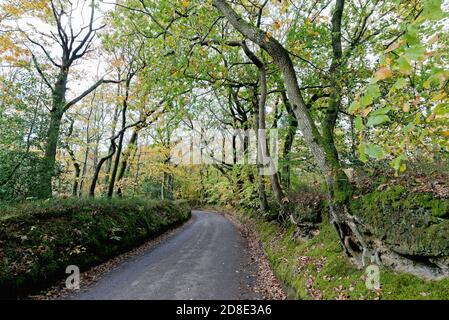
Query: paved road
column 207, row 259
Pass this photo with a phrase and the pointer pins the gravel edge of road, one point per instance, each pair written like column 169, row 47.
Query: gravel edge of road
column 267, row 284
column 94, row 274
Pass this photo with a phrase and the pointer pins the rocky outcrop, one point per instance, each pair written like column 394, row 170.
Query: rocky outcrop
column 406, row 231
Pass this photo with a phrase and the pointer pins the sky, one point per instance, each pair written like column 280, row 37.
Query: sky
column 87, row 70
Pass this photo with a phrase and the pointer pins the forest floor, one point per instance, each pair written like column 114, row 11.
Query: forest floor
column 206, row 259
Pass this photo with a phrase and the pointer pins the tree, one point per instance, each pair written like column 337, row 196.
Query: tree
column 327, row 160
column 74, row 44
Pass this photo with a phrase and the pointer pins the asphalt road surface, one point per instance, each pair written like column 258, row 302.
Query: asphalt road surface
column 207, row 259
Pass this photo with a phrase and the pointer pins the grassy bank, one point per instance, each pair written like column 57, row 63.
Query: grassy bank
column 38, row 240
column 317, row 269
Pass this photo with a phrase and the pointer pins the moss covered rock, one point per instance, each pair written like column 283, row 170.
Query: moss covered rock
column 415, row 225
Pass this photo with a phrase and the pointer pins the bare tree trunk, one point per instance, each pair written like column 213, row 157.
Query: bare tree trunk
column 131, row 146
column 263, row 203
column 263, row 145
column 292, row 128
column 112, row 181
column 86, row 153
column 119, row 151
column 76, row 166
column 114, row 126
column 136, row 176
column 111, row 153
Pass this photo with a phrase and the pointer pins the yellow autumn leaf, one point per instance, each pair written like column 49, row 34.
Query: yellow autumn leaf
column 431, row 117
column 406, row 107
column 433, row 39
column 445, row 133
column 313, row 33
column 366, row 111
column 394, row 46
column 383, row 73
column 12, row 10
column 277, row 25
column 267, row 36
column 438, row 97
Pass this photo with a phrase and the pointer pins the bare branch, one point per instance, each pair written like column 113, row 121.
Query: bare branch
column 41, row 73
column 47, row 54
column 85, row 93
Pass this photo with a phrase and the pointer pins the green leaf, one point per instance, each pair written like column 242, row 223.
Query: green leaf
column 435, row 78
column 399, row 84
column 397, row 163
column 359, row 123
column 412, row 34
column 374, row 151
column 380, row 111
column 361, row 149
column 365, row 101
column 355, row 105
column 432, row 10
column 415, row 52
column 404, row 65
column 441, row 109
column 372, row 92
column 376, row 120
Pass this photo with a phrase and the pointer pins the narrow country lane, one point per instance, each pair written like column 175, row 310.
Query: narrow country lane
column 206, row 259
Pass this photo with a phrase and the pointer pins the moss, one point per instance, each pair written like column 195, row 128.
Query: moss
column 333, row 276
column 39, row 239
column 342, row 190
column 410, row 223
column 440, row 208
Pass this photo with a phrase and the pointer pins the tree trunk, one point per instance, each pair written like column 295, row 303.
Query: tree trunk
column 56, row 114
column 114, row 126
column 263, row 145
column 263, row 203
column 86, row 153
column 121, row 137
column 339, row 189
column 136, row 176
column 292, row 128
column 117, row 157
column 77, row 168
column 111, row 153
column 131, row 145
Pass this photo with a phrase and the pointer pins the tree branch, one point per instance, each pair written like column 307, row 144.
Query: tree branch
column 41, row 73
column 85, row 93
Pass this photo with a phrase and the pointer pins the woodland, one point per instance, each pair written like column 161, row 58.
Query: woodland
column 97, row 98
